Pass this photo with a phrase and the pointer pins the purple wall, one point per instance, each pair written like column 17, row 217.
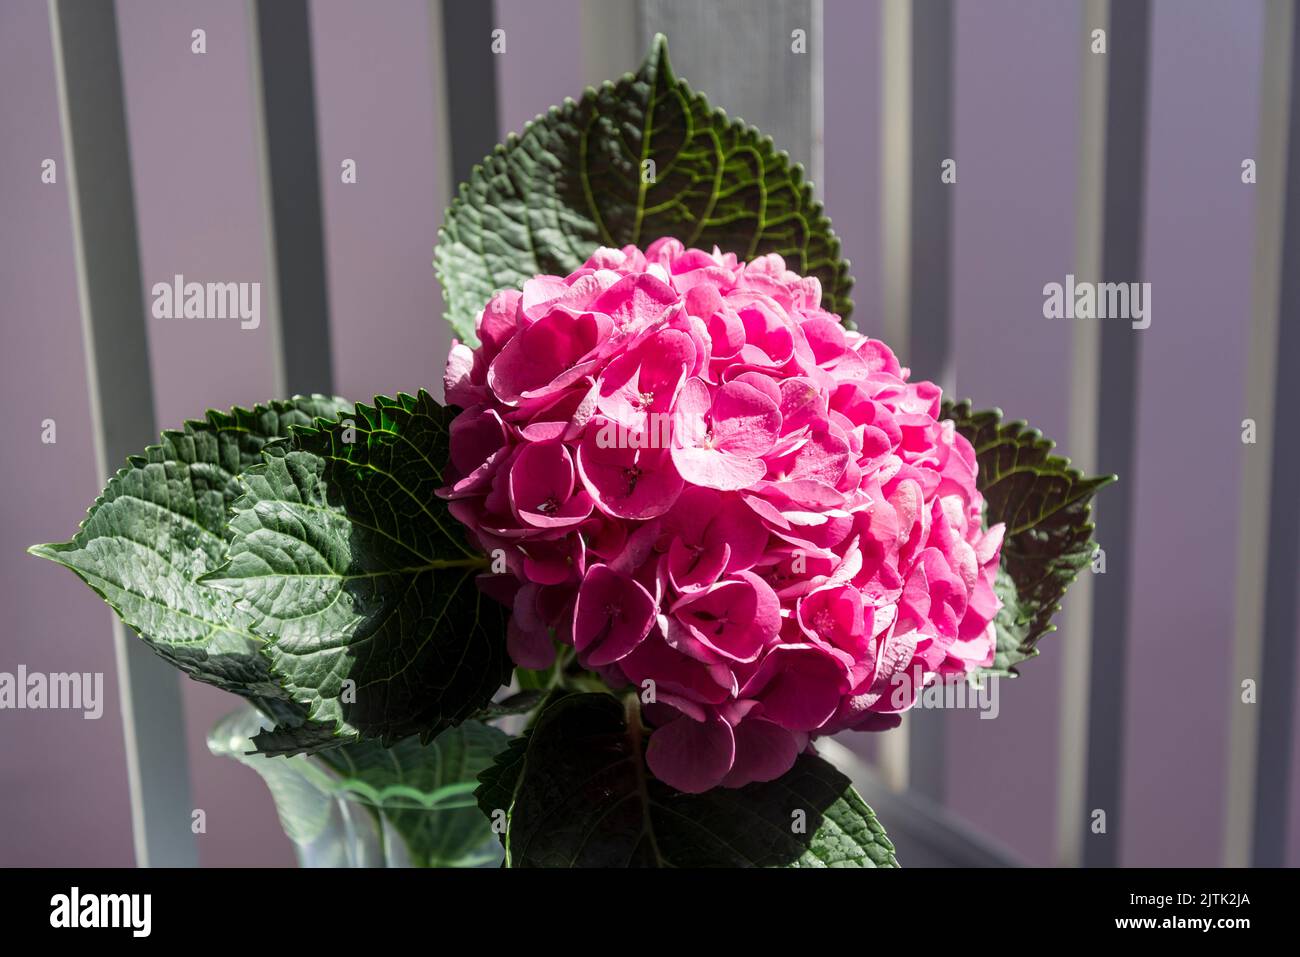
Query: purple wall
column 374, row 83
column 543, row 59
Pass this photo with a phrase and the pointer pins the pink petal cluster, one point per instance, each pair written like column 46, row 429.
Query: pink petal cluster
column 706, row 486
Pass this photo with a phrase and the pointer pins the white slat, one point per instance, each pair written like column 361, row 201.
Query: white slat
column 101, row 197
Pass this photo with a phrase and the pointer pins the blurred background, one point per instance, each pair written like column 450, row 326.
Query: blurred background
column 1122, row 157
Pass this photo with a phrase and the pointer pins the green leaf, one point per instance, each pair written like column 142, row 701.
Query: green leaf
column 572, row 181
column 361, row 581
column 423, row 792
column 575, row 792
column 158, row 526
column 1047, row 508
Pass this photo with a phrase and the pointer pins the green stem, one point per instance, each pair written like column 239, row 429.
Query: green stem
column 635, row 731
column 562, row 658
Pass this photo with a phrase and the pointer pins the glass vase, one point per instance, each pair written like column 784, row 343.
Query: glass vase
column 368, row 815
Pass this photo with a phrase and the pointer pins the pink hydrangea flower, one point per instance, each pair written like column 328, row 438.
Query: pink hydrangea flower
column 704, row 484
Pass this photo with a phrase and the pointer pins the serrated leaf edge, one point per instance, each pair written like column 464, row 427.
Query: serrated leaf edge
column 658, row 54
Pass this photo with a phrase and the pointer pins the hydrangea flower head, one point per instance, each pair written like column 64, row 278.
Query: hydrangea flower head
column 711, row 490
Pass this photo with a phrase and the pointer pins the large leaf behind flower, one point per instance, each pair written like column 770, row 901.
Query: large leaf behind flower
column 1047, row 508
column 574, row 792
column 573, row 180
column 362, row 582
column 158, row 526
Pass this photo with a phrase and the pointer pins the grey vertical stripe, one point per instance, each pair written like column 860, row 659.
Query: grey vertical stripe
column 293, row 187
column 610, row 40
column 1253, row 535
column 1072, row 818
column 1276, row 688
column 1127, row 61
column 442, row 181
column 896, row 171
column 917, row 117
column 470, row 81
column 817, row 96
column 929, row 340
column 98, row 171
column 739, row 53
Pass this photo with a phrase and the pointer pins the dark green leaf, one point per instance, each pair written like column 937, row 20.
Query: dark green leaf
column 361, row 581
column 1047, row 508
column 158, row 526
column 572, row 181
column 575, row 792
column 496, row 788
